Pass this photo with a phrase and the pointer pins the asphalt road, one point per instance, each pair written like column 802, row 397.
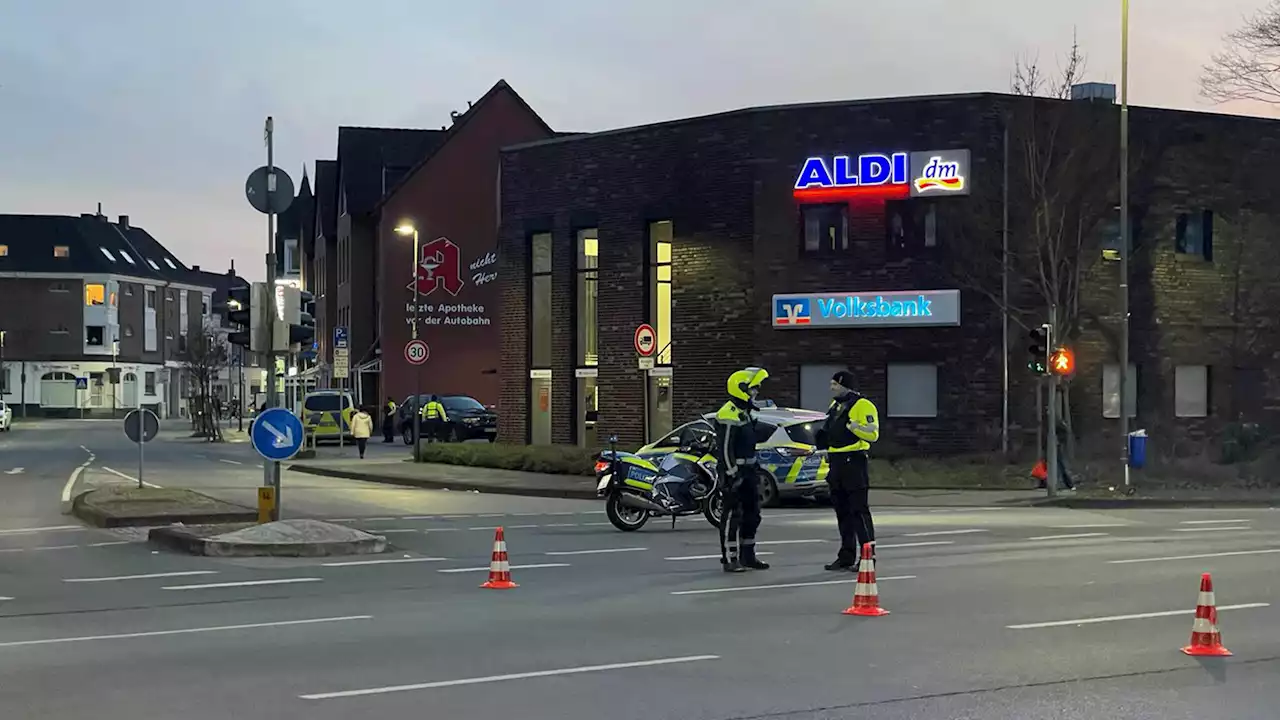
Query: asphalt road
column 997, row 613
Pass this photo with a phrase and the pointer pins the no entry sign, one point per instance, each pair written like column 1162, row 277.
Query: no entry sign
column 416, row 352
column 646, row 340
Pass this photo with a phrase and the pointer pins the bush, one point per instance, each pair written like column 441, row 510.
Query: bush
column 553, row 459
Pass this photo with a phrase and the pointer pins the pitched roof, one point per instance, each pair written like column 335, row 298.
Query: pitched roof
column 458, row 123
column 369, row 157
column 93, row 245
column 327, row 198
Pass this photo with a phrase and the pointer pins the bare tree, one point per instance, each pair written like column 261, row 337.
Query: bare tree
column 1248, row 68
column 207, row 354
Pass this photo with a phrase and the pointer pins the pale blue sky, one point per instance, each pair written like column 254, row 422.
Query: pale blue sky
column 155, row 107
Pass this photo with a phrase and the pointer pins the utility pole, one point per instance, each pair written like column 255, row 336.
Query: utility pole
column 1004, row 298
column 1051, row 450
column 271, row 470
column 1124, row 238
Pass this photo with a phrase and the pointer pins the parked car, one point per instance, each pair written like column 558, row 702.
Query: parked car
column 468, row 418
column 792, row 464
column 6, row 416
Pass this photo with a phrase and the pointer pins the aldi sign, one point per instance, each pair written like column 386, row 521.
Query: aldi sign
column 910, row 308
column 886, row 175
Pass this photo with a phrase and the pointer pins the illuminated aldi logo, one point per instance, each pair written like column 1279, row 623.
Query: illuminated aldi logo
column 907, row 308
column 884, row 175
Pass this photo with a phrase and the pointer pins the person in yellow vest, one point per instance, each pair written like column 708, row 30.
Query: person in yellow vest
column 852, row 424
column 389, row 421
column 433, row 420
column 736, row 459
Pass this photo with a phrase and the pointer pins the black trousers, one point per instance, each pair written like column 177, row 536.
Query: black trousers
column 388, row 428
column 361, row 444
column 850, row 483
column 741, row 515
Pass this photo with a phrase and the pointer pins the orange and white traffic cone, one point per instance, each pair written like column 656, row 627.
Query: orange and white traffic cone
column 866, row 595
column 1206, row 638
column 499, row 567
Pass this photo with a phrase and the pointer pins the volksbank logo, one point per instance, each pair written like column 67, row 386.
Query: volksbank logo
column 855, row 306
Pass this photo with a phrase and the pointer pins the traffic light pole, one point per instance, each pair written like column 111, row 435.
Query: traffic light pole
column 271, row 470
column 1051, row 450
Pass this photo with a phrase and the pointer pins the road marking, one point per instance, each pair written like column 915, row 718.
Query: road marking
column 1071, row 536
column 109, row 544
column 397, row 530
column 561, row 525
column 1212, row 522
column 513, row 567
column 520, row 527
column 490, row 515
column 390, row 561
column 1195, row 557
column 1212, row 529
column 791, row 542
column 431, row 530
column 418, row 517
column 915, row 544
column 595, row 524
column 704, row 557
column 243, row 583
column 945, row 532
column 42, row 547
column 146, row 576
column 14, row 471
column 1089, row 526
column 1136, row 616
column 338, row 520
column 484, row 527
column 50, row 528
column 230, row 462
column 597, row 552
column 380, row 519
column 505, row 678
column 130, row 478
column 75, row 477
column 184, row 631
column 2, row 598
column 741, row 588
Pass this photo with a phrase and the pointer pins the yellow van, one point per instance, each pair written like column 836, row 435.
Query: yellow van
column 326, row 413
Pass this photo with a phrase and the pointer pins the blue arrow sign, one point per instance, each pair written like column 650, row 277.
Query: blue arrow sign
column 276, row 434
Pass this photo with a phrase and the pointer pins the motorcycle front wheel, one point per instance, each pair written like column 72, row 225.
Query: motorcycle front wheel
column 626, row 519
column 713, row 509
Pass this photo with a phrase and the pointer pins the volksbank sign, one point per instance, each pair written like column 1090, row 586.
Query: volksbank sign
column 908, row 308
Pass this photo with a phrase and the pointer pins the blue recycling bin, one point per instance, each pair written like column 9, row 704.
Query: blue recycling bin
column 1137, row 449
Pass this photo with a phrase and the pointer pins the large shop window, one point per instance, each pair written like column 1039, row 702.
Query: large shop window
column 540, row 340
column 586, row 390
column 913, row 390
column 1111, row 391
column 826, row 228
column 661, row 240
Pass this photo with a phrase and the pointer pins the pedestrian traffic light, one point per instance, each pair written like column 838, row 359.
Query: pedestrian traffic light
column 244, row 311
column 302, row 330
column 1062, row 362
column 1041, row 341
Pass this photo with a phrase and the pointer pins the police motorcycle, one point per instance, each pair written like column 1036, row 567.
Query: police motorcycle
column 676, row 485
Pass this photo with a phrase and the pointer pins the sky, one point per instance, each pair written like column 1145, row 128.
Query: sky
column 155, row 108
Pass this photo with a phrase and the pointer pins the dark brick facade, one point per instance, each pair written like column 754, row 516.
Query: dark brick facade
column 726, row 182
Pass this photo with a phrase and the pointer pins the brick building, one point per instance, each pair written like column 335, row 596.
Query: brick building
column 809, row 238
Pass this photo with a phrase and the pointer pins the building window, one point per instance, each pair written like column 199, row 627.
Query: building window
column 127, row 257
column 910, row 225
column 4, row 251
column 1111, row 391
column 58, row 287
column 61, row 251
column 107, row 253
column 588, row 293
column 128, row 290
column 1195, row 234
column 95, row 294
column 913, row 390
column 204, row 305
column 151, row 298
column 150, row 383
column 128, row 331
column 169, row 262
column 661, row 238
column 182, row 312
column 1191, row 391
column 59, row 330
column 95, row 335
column 540, row 288
column 4, row 381
column 825, row 228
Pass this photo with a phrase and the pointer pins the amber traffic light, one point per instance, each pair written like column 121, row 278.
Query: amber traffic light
column 1062, row 362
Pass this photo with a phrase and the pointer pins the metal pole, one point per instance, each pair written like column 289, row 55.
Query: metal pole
column 1124, row 237
column 142, row 435
column 240, row 392
column 4, row 378
column 271, row 470
column 417, row 369
column 1051, row 451
column 1004, row 299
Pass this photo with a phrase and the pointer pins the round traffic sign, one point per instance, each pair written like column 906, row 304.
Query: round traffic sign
column 646, row 340
column 416, row 352
column 141, row 425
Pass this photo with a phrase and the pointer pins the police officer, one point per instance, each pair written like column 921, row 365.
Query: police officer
column 852, row 425
column 736, row 457
column 433, row 419
column 389, row 421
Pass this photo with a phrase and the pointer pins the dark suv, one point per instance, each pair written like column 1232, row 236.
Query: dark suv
column 468, row 418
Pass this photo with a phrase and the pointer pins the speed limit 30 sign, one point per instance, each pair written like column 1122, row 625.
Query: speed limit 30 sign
column 646, row 340
column 416, row 352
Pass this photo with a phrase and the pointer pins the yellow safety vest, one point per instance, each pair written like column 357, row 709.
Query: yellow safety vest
column 433, row 411
column 863, row 412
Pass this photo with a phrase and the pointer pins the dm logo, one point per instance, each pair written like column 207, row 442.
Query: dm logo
column 939, row 175
column 791, row 311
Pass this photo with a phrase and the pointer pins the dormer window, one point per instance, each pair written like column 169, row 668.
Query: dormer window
column 169, row 262
column 127, row 258
column 61, row 251
column 108, row 254
column 153, row 264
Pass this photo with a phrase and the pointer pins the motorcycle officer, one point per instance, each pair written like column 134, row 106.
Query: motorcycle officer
column 736, row 458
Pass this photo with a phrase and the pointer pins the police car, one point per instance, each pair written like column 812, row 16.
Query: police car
column 792, row 466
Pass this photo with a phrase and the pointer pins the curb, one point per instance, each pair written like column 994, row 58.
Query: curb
column 176, row 538
column 98, row 518
column 460, row 485
column 1138, row 503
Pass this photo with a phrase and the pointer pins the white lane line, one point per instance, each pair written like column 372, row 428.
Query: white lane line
column 75, row 476
column 1071, row 536
column 396, row 530
column 130, row 478
column 945, row 532
column 86, row 449
column 380, row 519
column 742, row 588
column 230, row 462
column 491, row 515
column 109, row 544
column 704, row 557
column 184, row 631
column 513, row 527
column 1232, row 553
column 505, row 678
column 1212, row 522
column 3, row 598
column 791, row 542
column 915, row 544
column 595, row 524
column 50, row 528
column 1089, row 526
column 42, row 547
column 1212, row 529
column 389, row 561
column 484, row 527
column 597, row 552
column 146, row 576
column 1136, row 616
column 341, row 520
column 435, row 530
column 243, row 583
column 513, row 567
column 562, row 525
column 418, row 517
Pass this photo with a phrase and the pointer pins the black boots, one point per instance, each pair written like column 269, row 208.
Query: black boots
column 750, row 561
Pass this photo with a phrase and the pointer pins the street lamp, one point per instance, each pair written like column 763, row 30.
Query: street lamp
column 1124, row 236
column 408, row 229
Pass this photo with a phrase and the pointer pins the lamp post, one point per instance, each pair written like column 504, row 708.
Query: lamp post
column 407, row 229
column 1124, row 237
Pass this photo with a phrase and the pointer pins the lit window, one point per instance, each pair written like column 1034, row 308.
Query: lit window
column 826, row 228
column 61, row 251
column 661, row 235
column 153, row 264
column 108, row 254
column 95, row 294
column 169, row 262
column 4, row 251
column 588, row 293
column 127, row 257
column 1191, row 391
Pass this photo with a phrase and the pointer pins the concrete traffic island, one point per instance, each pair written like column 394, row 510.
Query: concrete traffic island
column 285, row 538
column 130, row 505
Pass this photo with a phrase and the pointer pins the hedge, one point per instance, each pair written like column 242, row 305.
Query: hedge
column 553, row 459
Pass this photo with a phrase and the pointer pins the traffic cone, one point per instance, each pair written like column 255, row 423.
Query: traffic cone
column 866, row 596
column 499, row 567
column 1206, row 638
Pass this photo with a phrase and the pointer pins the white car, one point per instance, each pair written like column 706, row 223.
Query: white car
column 6, row 416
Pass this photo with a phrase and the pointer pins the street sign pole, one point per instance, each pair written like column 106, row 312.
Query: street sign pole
column 417, row 370
column 138, row 397
column 271, row 470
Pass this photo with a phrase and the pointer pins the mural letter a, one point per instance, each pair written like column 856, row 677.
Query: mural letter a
column 440, row 267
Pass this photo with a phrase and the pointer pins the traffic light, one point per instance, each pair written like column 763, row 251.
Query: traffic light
column 244, row 310
column 1041, row 341
column 1062, row 362
column 295, row 320
column 302, row 330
